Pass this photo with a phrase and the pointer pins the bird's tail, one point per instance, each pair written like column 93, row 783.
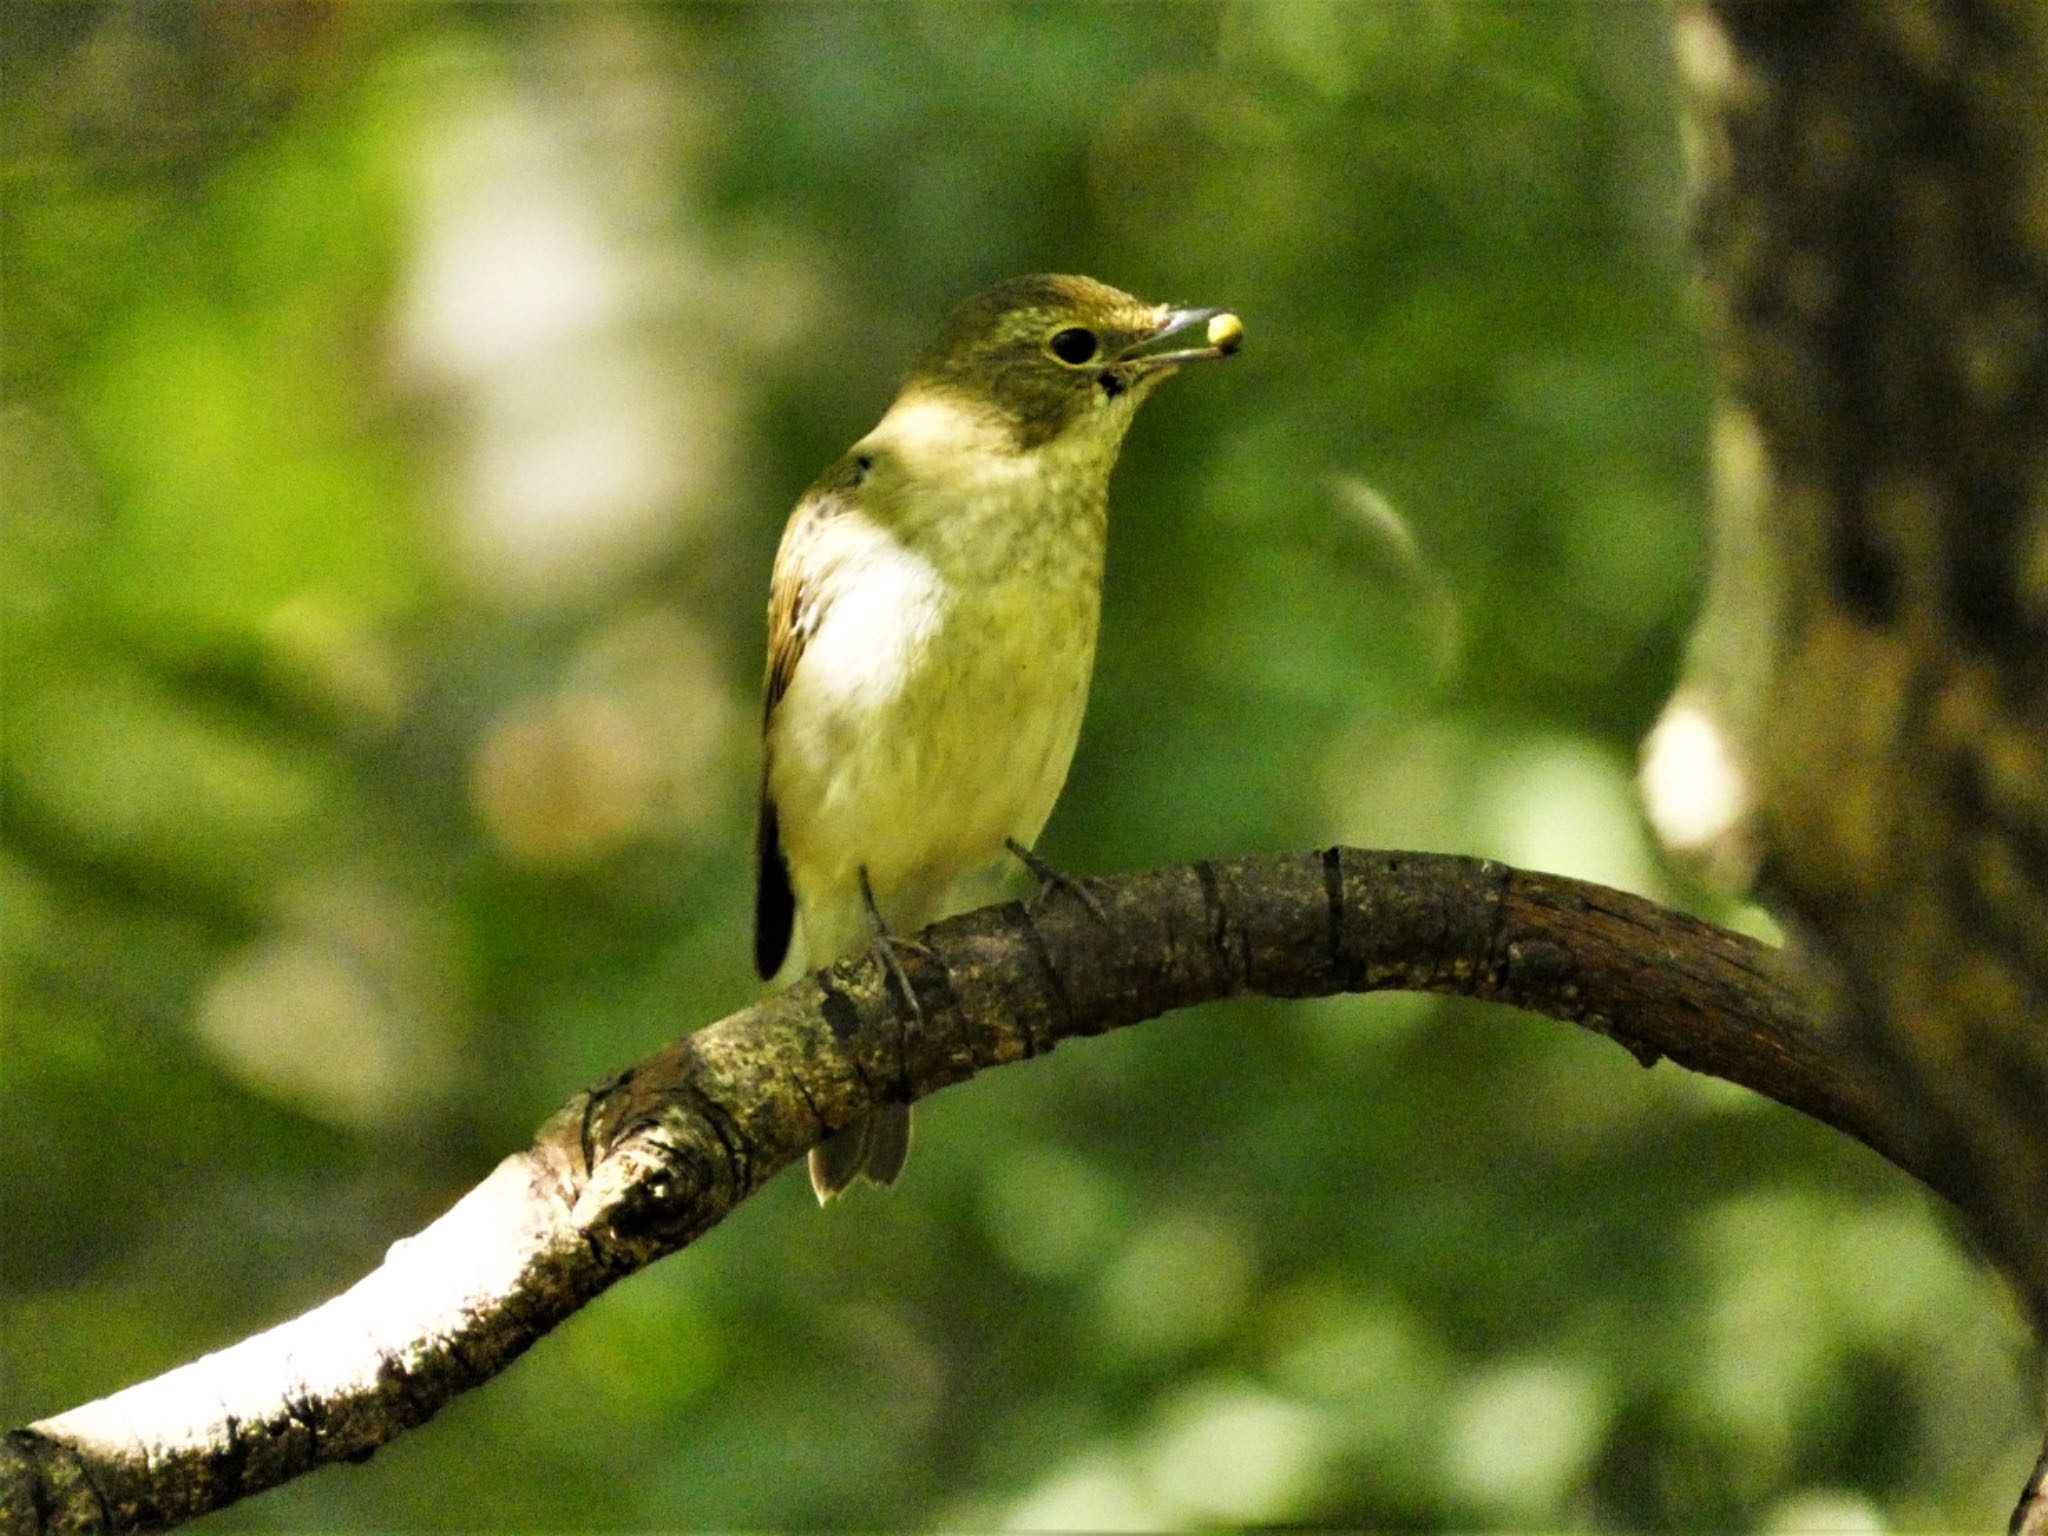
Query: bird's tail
column 873, row 1147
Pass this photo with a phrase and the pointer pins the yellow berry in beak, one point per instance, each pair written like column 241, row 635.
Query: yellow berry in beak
column 1226, row 333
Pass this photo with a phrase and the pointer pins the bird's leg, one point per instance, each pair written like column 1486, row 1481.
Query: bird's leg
column 885, row 946
column 1048, row 878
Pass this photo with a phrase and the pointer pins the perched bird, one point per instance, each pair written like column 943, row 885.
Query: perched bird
column 931, row 632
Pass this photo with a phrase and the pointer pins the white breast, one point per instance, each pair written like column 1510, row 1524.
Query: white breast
column 879, row 612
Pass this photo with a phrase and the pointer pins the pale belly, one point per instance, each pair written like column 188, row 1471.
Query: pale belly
column 917, row 736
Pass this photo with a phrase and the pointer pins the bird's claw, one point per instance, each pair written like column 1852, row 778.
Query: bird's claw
column 887, row 948
column 1049, row 878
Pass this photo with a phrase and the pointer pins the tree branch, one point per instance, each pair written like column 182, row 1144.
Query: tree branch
column 640, row 1166
column 2030, row 1516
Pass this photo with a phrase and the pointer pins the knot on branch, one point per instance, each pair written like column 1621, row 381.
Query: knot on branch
column 659, row 1152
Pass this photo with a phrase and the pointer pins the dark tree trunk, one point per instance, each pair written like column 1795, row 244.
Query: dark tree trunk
column 1872, row 212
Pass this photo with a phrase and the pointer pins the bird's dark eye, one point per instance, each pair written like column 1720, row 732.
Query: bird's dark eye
column 1075, row 345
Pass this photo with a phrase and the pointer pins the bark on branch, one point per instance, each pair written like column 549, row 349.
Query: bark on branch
column 640, row 1166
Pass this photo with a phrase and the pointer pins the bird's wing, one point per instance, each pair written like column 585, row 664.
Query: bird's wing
column 795, row 605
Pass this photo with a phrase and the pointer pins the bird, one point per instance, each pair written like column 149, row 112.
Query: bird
column 932, row 620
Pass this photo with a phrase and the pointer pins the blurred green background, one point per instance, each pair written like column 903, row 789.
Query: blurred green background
column 401, row 407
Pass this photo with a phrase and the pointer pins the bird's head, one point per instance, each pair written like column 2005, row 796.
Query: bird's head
column 1047, row 355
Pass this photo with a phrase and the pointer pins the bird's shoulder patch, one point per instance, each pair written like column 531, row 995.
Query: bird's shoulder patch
column 795, row 601
column 796, row 604
column 798, row 593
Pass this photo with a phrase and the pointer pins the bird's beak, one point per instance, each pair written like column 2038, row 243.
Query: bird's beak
column 1215, row 332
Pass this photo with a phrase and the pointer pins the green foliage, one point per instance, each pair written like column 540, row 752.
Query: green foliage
column 402, row 404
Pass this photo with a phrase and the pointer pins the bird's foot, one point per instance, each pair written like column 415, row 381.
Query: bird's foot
column 1049, row 879
column 888, row 949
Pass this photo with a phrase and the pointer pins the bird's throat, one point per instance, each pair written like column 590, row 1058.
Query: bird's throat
column 959, row 490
